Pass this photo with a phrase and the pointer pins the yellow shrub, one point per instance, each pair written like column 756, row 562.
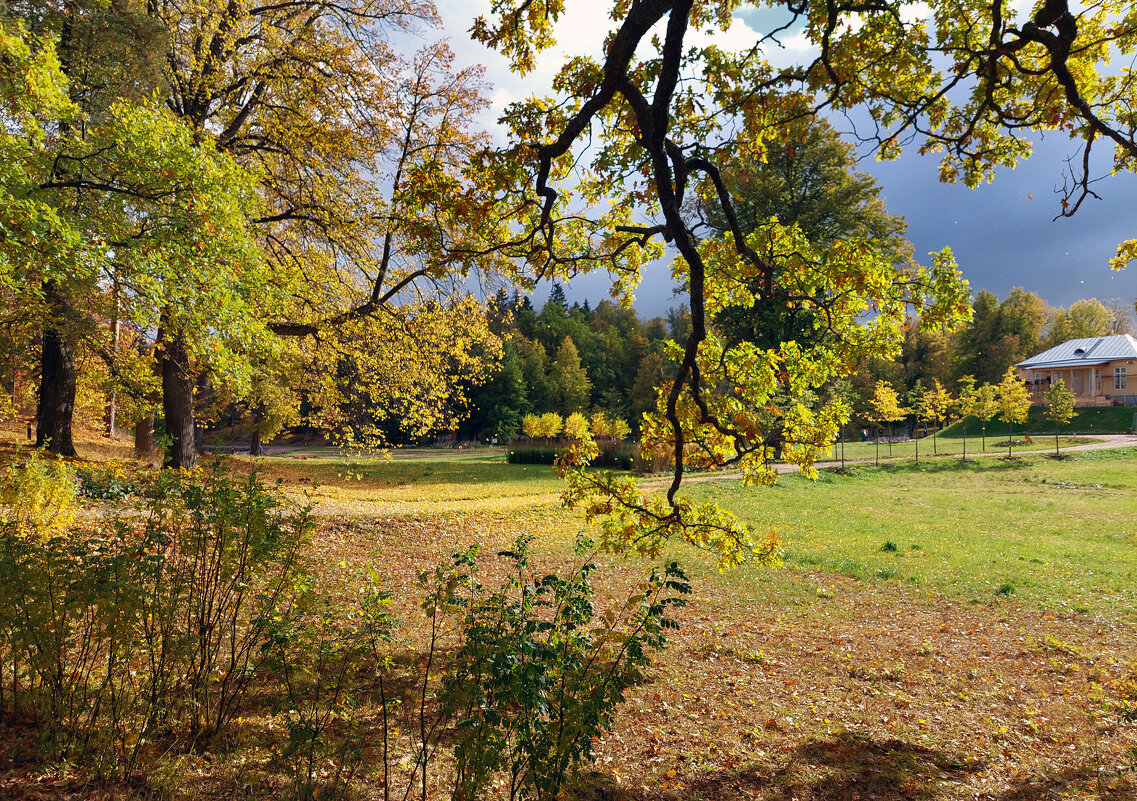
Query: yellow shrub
column 38, row 496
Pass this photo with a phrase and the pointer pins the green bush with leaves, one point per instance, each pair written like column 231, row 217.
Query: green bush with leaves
column 110, row 482
column 537, row 676
column 147, row 635
column 147, row 628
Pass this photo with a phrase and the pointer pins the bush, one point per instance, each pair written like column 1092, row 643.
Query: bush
column 612, row 455
column 531, row 455
column 537, row 677
column 150, row 626
column 145, row 636
column 107, row 482
column 37, row 497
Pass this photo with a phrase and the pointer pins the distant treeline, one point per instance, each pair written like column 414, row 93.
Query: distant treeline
column 575, row 358
column 569, row 358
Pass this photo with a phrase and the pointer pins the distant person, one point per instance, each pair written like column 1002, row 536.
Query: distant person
column 864, row 435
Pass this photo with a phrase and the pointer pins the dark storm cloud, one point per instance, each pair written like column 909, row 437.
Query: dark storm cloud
column 1004, row 234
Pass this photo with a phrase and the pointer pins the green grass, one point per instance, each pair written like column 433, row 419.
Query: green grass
column 1060, row 534
column 1103, row 420
column 906, row 449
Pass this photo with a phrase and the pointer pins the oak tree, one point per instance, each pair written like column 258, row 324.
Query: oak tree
column 647, row 127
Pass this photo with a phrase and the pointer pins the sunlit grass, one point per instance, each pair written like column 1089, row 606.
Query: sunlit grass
column 1056, row 533
column 432, row 483
column 953, row 446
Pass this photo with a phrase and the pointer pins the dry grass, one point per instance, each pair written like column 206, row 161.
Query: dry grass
column 801, row 683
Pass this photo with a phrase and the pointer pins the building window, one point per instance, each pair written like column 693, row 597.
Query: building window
column 1119, row 378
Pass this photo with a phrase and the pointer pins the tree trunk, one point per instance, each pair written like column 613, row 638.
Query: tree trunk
column 177, row 403
column 144, row 437
column 255, row 443
column 112, row 396
column 56, row 410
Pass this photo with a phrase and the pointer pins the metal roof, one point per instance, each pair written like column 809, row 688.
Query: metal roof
column 1088, row 351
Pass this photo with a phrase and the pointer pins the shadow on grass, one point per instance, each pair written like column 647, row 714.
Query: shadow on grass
column 836, row 769
column 402, row 473
column 1077, row 781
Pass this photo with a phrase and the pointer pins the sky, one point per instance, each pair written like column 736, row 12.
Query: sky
column 1003, row 234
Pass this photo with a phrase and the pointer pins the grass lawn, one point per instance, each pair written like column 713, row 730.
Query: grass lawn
column 954, row 446
column 946, row 631
column 988, row 656
column 1096, row 420
column 1058, row 535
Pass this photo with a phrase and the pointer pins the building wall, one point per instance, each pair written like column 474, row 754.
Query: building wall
column 1078, row 380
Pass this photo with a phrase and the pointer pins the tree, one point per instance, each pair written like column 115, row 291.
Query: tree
column 407, row 379
column 986, row 407
column 918, row 406
column 620, row 429
column 843, row 389
column 638, row 133
column 1000, row 334
column 1120, row 321
column 601, row 426
column 365, row 161
column 940, row 404
column 551, row 425
column 652, row 373
column 966, row 400
column 1059, row 408
column 534, row 370
column 884, row 407
column 570, row 384
column 531, row 425
column 576, row 426
column 138, row 199
column 1013, row 400
column 38, row 241
column 498, row 405
column 808, row 180
column 925, row 355
column 1085, row 318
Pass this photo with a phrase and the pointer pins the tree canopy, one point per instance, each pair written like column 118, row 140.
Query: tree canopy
column 650, row 125
column 231, row 175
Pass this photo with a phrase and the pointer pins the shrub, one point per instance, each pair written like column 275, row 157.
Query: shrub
column 531, row 455
column 148, row 626
column 537, row 677
column 107, row 482
column 611, row 455
column 37, row 497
